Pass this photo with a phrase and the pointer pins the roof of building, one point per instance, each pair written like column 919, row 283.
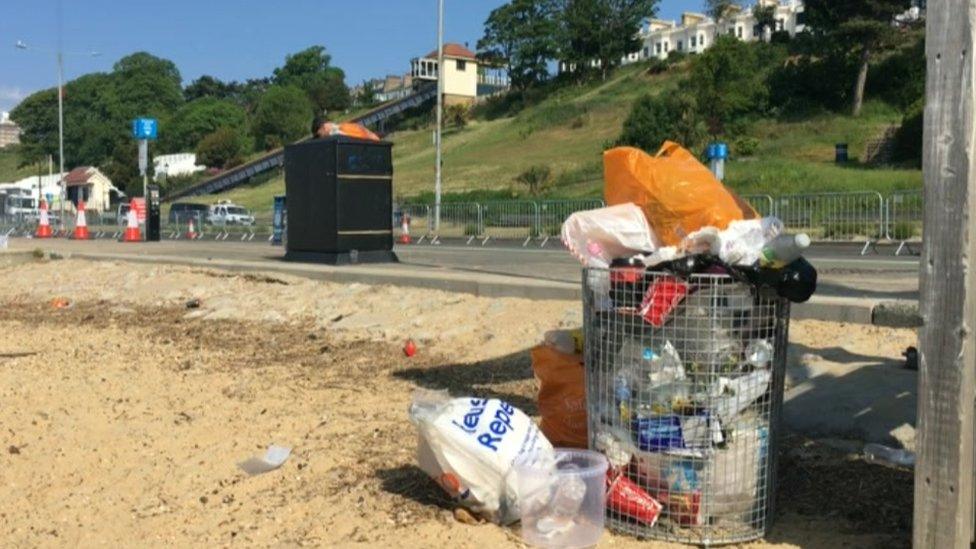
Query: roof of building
column 454, row 51
column 79, row 176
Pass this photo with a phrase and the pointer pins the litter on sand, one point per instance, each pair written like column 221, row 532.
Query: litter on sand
column 274, row 457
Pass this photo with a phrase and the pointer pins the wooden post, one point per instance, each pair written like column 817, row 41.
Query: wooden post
column 944, row 470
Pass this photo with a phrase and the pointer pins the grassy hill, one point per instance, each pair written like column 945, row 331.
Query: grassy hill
column 9, row 167
column 569, row 130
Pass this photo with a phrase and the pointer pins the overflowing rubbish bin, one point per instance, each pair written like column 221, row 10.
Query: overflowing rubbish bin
column 684, row 383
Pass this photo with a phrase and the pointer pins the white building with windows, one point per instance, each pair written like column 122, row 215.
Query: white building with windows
column 466, row 79
column 696, row 32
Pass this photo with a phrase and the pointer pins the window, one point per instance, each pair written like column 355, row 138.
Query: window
column 731, row 31
column 461, row 65
column 647, row 51
column 701, row 40
column 738, row 32
column 681, row 45
column 694, row 42
column 780, row 24
column 666, row 44
column 657, row 48
column 756, row 30
column 801, row 18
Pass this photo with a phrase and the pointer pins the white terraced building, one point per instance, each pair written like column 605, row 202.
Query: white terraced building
column 696, row 31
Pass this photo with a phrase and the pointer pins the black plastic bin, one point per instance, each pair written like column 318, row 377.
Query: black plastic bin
column 339, row 191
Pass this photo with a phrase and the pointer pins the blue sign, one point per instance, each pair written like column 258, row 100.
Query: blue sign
column 144, row 128
column 278, row 221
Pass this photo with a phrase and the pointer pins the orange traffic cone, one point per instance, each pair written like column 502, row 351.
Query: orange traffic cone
column 405, row 230
column 44, row 226
column 132, row 233
column 191, row 231
column 81, row 224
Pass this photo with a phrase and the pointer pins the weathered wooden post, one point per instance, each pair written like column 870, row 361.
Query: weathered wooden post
column 944, row 471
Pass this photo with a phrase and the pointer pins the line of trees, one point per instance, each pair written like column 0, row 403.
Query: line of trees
column 527, row 35
column 589, row 37
column 222, row 121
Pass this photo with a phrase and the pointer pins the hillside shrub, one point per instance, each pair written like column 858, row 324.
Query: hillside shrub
column 745, row 146
column 537, row 179
column 908, row 140
column 655, row 119
column 220, row 149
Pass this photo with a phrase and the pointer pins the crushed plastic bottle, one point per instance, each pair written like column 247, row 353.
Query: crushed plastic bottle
column 883, row 455
column 759, row 353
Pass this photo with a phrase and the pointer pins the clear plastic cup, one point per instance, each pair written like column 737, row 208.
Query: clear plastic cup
column 562, row 501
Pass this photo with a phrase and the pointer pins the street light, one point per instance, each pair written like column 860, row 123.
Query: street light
column 21, row 45
column 440, row 113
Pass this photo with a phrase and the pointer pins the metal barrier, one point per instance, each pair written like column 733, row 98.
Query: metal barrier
column 763, row 203
column 459, row 220
column 552, row 214
column 835, row 217
column 510, row 220
column 905, row 209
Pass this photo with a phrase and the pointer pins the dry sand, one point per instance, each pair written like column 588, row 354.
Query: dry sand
column 125, row 414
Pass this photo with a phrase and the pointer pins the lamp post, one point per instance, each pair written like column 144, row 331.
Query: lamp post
column 60, row 58
column 440, row 113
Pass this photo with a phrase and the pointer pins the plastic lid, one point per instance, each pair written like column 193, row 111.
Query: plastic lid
column 803, row 240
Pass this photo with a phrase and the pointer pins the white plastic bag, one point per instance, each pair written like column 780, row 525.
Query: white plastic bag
column 599, row 236
column 740, row 244
column 469, row 446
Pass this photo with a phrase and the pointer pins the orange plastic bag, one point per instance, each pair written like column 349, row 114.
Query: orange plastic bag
column 678, row 194
column 349, row 129
column 562, row 396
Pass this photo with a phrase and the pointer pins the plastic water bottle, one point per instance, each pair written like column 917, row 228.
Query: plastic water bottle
column 784, row 249
column 883, row 455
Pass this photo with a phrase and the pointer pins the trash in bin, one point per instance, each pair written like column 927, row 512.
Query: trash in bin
column 625, row 497
column 685, row 347
column 469, row 445
column 678, row 193
column 597, row 237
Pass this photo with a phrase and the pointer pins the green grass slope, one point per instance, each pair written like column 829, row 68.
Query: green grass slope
column 10, row 169
column 569, row 130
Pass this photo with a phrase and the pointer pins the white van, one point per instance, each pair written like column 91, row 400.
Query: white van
column 228, row 213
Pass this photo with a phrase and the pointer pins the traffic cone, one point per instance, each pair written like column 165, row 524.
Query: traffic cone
column 191, row 231
column 132, row 233
column 81, row 224
column 44, row 226
column 405, row 230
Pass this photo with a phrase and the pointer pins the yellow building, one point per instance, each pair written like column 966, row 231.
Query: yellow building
column 461, row 76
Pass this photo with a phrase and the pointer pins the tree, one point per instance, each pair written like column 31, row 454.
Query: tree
column 199, row 118
column 209, row 86
column 601, row 30
column 765, row 16
column 282, row 116
column 656, row 119
column 147, row 85
column 457, row 115
column 220, row 149
column 522, row 35
column 728, row 80
column 310, row 70
column 367, row 95
column 719, row 10
column 865, row 25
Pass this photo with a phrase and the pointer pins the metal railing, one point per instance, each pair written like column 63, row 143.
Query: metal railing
column 863, row 217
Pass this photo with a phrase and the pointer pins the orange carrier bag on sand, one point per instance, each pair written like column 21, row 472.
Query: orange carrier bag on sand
column 562, row 396
column 678, row 194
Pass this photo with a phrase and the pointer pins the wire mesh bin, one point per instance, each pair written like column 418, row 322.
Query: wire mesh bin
column 684, row 385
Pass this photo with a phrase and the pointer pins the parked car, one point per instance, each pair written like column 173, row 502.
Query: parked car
column 182, row 212
column 228, row 213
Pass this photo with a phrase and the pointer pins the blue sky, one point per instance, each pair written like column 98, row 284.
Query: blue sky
column 232, row 39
